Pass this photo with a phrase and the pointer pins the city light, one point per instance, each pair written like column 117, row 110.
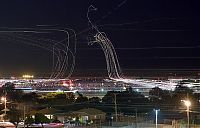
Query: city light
column 27, row 76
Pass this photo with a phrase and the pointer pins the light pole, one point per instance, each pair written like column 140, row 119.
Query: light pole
column 136, row 117
column 156, row 110
column 187, row 104
column 3, row 99
column 111, row 120
column 24, row 115
column 115, row 107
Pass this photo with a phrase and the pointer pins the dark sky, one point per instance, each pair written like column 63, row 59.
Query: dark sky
column 147, row 34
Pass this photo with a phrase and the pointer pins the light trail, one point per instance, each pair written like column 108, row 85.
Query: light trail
column 113, row 67
column 63, row 50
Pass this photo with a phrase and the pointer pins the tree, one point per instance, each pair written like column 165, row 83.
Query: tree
column 60, row 96
column 11, row 93
column 29, row 120
column 70, row 97
column 129, row 96
column 8, row 87
column 41, row 118
column 81, row 98
column 182, row 92
column 109, row 97
column 156, row 92
column 14, row 116
column 158, row 96
column 29, row 97
column 95, row 100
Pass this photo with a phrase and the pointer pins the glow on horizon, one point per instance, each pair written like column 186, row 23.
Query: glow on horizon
column 28, row 76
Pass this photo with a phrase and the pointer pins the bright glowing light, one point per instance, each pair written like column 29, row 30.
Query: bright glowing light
column 59, row 90
column 28, row 76
column 71, row 88
column 65, row 84
column 3, row 99
column 124, row 88
column 187, row 103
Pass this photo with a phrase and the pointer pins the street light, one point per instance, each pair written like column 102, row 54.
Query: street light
column 3, row 99
column 112, row 120
column 187, row 104
column 156, row 110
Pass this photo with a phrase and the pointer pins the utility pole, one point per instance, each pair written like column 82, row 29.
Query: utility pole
column 24, row 115
column 5, row 103
column 4, row 100
column 5, row 107
column 136, row 117
column 115, row 107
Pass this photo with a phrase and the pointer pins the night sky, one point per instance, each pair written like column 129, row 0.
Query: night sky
column 147, row 34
